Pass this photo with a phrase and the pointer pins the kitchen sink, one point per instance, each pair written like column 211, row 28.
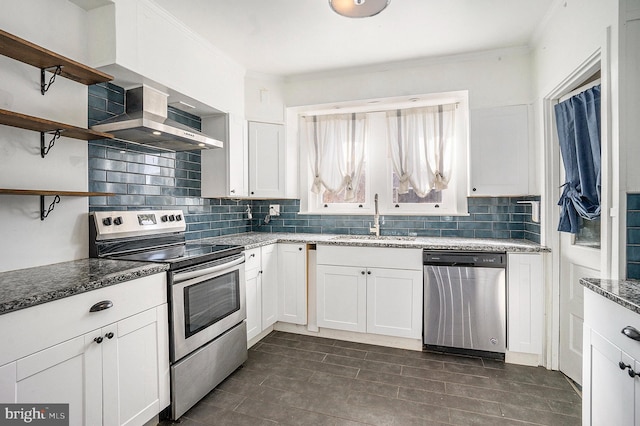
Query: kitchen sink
column 373, row 238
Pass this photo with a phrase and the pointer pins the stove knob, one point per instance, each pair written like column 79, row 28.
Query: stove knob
column 117, row 220
column 164, row 218
column 171, row 218
column 178, row 217
column 106, row 221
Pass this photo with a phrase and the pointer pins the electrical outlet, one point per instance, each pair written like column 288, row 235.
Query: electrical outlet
column 274, row 210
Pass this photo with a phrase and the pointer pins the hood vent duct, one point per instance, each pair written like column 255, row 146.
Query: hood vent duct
column 145, row 122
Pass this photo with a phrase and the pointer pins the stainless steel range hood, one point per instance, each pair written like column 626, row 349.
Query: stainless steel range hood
column 145, row 122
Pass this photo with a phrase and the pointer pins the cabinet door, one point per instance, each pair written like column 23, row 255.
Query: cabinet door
column 500, row 151
column 394, row 302
column 135, row 362
column 292, row 283
column 525, row 318
column 254, row 302
column 237, row 157
column 70, row 372
column 342, row 297
column 610, row 390
column 266, row 160
column 269, row 285
column 224, row 170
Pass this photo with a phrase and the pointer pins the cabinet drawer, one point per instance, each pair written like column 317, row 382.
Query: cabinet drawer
column 608, row 319
column 378, row 257
column 32, row 329
column 252, row 259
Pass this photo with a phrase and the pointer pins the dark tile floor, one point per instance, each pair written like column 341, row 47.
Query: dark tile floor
column 302, row 380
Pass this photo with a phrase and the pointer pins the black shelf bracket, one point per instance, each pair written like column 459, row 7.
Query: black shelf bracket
column 44, row 150
column 57, row 70
column 43, row 213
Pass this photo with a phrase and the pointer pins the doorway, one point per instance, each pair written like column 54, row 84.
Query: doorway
column 574, row 256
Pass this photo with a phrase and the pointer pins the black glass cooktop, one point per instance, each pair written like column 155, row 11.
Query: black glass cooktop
column 183, row 255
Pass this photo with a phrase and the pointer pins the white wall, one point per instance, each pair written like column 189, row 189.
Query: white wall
column 26, row 241
column 264, row 98
column 494, row 78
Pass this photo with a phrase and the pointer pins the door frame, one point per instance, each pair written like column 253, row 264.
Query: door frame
column 599, row 60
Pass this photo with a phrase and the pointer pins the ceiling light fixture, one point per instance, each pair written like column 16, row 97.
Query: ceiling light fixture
column 358, row 8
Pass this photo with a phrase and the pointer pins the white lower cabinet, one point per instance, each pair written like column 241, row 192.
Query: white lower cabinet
column 292, row 283
column 381, row 300
column 611, row 363
column 114, row 375
column 261, row 273
column 270, row 276
column 525, row 312
column 394, row 302
column 342, row 297
column 68, row 373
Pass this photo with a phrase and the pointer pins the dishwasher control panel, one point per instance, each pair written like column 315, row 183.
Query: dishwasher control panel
column 472, row 259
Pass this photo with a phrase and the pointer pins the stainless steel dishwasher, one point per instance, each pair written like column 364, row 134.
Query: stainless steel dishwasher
column 465, row 302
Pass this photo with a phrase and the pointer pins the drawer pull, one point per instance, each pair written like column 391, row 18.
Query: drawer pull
column 98, row 340
column 109, row 335
column 631, row 333
column 101, row 306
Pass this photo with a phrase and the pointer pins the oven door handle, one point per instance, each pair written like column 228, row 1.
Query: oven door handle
column 179, row 277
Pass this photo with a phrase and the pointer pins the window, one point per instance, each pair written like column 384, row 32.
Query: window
column 411, row 152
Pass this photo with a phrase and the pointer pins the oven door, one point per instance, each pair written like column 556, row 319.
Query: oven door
column 206, row 301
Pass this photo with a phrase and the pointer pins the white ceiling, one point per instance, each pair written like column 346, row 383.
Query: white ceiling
column 288, row 37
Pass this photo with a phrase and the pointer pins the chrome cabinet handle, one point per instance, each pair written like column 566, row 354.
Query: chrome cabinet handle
column 101, row 306
column 631, row 333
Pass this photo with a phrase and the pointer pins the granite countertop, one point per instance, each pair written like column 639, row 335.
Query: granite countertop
column 28, row 287
column 257, row 239
column 23, row 288
column 623, row 292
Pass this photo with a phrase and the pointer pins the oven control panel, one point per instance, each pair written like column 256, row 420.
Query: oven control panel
column 118, row 224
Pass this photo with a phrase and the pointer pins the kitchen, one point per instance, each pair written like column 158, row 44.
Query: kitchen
column 504, row 77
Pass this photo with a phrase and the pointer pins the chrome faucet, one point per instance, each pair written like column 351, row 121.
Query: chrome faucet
column 375, row 229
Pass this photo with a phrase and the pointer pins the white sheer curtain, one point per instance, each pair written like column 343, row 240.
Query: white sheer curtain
column 336, row 151
column 421, row 141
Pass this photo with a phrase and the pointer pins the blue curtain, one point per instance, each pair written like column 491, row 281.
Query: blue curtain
column 578, row 123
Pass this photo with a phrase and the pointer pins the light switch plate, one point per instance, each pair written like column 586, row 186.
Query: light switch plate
column 274, row 210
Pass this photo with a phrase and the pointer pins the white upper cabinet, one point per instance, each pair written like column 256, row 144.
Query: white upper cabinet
column 499, row 147
column 266, row 160
column 224, row 171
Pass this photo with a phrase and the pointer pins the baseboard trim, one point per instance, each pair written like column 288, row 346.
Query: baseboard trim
column 350, row 336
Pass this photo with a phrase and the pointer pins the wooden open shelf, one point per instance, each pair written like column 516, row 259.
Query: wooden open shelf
column 47, row 192
column 15, row 119
column 44, row 210
column 32, row 54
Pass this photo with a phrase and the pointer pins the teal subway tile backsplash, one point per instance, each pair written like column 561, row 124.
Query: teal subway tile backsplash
column 633, row 236
column 494, row 217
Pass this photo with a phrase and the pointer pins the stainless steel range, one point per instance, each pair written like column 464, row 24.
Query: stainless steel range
column 208, row 337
